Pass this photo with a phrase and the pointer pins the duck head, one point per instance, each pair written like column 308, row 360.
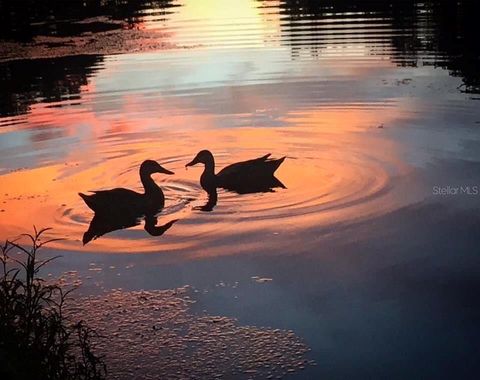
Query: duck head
column 204, row 157
column 149, row 167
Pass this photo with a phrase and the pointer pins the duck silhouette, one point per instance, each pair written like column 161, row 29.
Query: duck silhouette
column 126, row 203
column 244, row 177
column 252, row 176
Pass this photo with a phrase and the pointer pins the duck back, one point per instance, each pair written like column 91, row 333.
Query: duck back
column 250, row 176
column 258, row 167
column 122, row 202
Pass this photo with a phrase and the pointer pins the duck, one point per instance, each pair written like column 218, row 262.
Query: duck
column 256, row 175
column 126, row 202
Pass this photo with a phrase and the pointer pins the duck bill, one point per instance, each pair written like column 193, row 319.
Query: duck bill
column 165, row 171
column 191, row 163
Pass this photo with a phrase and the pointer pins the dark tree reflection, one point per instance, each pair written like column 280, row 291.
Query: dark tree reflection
column 21, row 20
column 26, row 82
column 437, row 33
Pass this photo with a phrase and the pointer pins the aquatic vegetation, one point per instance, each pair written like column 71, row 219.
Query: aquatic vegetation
column 37, row 340
column 155, row 335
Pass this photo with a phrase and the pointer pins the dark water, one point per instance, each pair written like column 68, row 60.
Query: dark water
column 372, row 248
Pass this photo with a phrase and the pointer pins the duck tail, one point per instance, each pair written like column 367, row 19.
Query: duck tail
column 87, row 199
column 88, row 237
column 279, row 183
column 276, row 163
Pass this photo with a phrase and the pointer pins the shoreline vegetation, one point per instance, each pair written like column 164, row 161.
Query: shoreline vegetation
column 37, row 340
column 42, row 338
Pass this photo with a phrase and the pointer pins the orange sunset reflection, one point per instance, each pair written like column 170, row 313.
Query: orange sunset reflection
column 174, row 104
column 331, row 175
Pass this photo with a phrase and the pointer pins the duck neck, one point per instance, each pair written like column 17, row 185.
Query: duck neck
column 149, row 184
column 210, row 167
column 208, row 179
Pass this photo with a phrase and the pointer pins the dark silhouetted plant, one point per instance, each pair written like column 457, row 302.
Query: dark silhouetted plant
column 37, row 341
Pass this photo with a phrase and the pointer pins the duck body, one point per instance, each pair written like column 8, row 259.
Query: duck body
column 249, row 176
column 128, row 203
column 124, row 201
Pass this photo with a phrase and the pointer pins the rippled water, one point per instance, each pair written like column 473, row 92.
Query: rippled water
column 374, row 104
column 317, row 89
column 327, row 183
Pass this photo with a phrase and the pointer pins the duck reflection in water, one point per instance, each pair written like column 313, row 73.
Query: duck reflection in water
column 121, row 208
column 102, row 224
column 252, row 176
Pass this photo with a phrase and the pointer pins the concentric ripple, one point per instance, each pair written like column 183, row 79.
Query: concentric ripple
column 338, row 180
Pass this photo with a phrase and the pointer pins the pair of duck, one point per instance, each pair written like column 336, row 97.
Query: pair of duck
column 236, row 177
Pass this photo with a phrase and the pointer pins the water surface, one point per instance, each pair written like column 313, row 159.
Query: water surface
column 374, row 259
